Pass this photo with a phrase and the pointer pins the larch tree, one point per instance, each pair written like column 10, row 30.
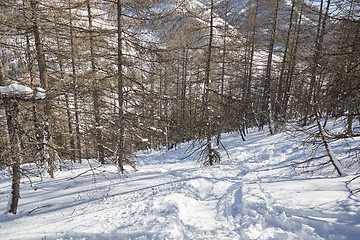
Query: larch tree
column 279, row 114
column 120, row 79
column 251, row 25
column 75, row 86
column 48, row 148
column 10, row 105
column 95, row 87
column 291, row 70
column 316, row 59
column 266, row 102
column 211, row 156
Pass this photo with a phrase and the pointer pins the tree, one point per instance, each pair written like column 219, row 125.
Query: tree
column 95, row 88
column 343, row 66
column 75, row 84
column 291, row 69
column 11, row 111
column 282, row 85
column 211, row 155
column 121, row 122
column 10, row 96
column 266, row 105
column 249, row 62
column 48, row 148
column 314, row 74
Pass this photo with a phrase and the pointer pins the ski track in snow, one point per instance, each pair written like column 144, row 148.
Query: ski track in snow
column 249, row 196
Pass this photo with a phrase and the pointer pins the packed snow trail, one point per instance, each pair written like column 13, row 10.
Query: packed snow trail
column 250, row 195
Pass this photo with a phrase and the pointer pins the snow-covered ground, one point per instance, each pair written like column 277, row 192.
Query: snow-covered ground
column 252, row 194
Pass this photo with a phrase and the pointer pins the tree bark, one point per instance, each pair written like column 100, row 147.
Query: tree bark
column 222, row 87
column 333, row 159
column 183, row 120
column 210, row 150
column 279, row 109
column 67, row 103
column 48, row 147
column 121, row 122
column 248, row 105
column 95, row 91
column 11, row 109
column 75, row 88
column 321, row 28
column 38, row 134
column 292, row 65
column 266, row 106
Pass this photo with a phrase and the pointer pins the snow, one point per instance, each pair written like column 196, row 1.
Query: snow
column 251, row 194
column 17, row 89
column 40, row 93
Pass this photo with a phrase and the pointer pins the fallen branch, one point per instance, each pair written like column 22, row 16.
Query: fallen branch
column 72, row 178
column 37, row 208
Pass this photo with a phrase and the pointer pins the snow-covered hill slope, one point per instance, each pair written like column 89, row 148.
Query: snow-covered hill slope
column 252, row 194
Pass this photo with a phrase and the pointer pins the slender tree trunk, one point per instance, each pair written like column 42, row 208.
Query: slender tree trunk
column 221, row 109
column 248, row 105
column 48, row 147
column 279, row 110
column 321, row 28
column 75, row 88
column 179, row 123
column 11, row 109
column 70, row 129
column 350, row 107
column 67, row 103
column 38, row 145
column 121, row 122
column 349, row 128
column 333, row 159
column 191, row 115
column 210, row 149
column 2, row 79
column 95, row 93
column 292, row 65
column 183, row 94
column 266, row 98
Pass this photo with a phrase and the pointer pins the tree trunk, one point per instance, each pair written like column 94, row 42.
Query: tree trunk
column 266, row 98
column 333, row 159
column 67, row 103
column 48, row 148
column 121, row 122
column 95, row 92
column 210, row 158
column 292, row 64
column 38, row 134
column 75, row 89
column 183, row 94
column 221, row 116
column 321, row 28
column 248, row 105
column 279, row 110
column 11, row 109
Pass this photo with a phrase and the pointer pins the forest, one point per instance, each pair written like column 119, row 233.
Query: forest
column 103, row 79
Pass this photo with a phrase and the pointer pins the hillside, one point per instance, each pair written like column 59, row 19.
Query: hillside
column 255, row 193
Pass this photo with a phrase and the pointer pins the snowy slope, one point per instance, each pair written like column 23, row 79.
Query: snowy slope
column 252, row 194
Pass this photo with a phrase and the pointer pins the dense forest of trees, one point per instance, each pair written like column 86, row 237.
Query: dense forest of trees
column 124, row 75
